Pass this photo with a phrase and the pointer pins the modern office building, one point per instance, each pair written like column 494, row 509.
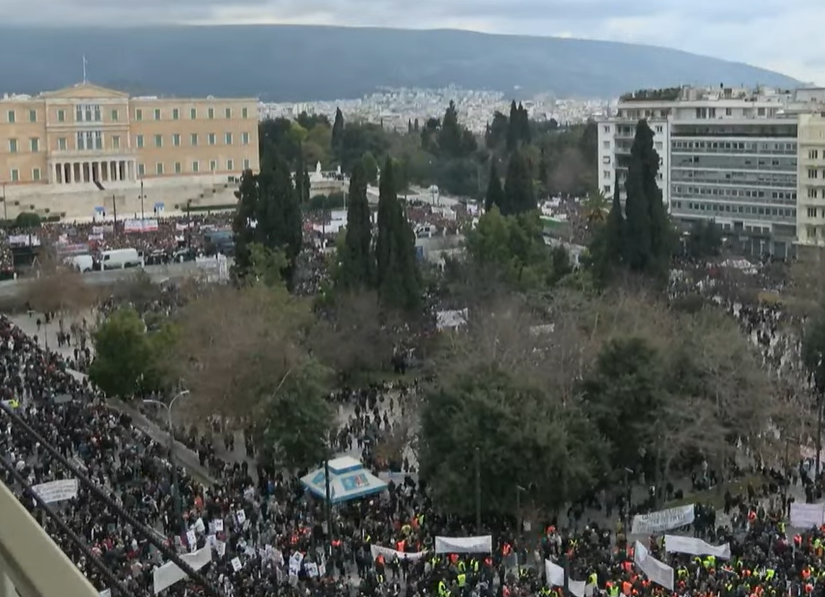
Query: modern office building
column 730, row 156
column 90, row 139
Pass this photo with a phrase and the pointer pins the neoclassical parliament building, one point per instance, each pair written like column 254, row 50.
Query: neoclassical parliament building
column 87, row 149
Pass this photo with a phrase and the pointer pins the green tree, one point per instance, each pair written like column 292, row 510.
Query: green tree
column 357, row 261
column 648, row 235
column 518, row 186
column 813, row 351
column 513, row 128
column 369, row 167
column 298, row 420
column 704, row 240
column 512, row 246
column 624, row 398
column 608, row 247
column 301, row 179
column 337, row 138
column 126, row 356
column 450, row 133
column 269, row 214
column 490, row 411
column 495, row 194
column 397, row 272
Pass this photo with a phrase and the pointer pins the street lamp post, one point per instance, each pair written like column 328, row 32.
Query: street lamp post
column 5, row 209
column 142, row 197
column 175, row 488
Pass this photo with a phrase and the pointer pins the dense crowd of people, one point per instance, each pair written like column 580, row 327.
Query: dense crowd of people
column 267, row 535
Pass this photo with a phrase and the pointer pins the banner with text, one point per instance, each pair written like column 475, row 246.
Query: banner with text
column 391, row 554
column 663, row 520
column 56, row 491
column 140, row 226
column 555, row 578
column 483, row 544
column 696, row 547
column 656, row 571
column 806, row 516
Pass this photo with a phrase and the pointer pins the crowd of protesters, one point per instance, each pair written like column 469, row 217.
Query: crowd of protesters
column 267, row 533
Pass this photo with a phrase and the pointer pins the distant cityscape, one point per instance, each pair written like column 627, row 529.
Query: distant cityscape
column 395, row 108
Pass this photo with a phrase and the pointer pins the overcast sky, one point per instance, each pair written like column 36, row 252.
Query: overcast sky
column 783, row 35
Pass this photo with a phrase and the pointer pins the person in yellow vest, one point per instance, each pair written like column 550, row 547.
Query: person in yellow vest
column 462, row 579
column 442, row 589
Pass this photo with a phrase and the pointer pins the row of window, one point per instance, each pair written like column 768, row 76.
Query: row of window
column 733, row 162
column 92, row 113
column 157, row 113
column 194, row 139
column 94, row 140
column 727, row 209
column 194, row 168
column 734, row 192
column 160, row 169
column 812, row 212
column 746, row 146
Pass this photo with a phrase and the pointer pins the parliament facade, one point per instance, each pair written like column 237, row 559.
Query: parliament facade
column 88, row 136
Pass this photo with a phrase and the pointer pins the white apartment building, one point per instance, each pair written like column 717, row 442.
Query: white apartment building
column 616, row 134
column 729, row 155
column 810, row 218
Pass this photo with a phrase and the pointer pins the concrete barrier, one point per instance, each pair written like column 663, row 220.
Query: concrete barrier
column 157, row 273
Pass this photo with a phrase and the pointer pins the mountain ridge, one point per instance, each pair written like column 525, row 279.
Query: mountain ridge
column 325, row 62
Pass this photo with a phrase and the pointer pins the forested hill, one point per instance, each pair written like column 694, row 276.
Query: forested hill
column 291, row 62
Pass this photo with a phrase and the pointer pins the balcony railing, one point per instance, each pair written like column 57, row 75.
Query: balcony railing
column 31, row 563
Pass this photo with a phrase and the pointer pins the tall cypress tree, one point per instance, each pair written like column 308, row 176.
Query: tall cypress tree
column 513, row 127
column 615, row 227
column 646, row 224
column 398, row 278
column 279, row 215
column 300, row 169
column 242, row 227
column 336, row 144
column 357, row 260
column 518, row 187
column 495, row 194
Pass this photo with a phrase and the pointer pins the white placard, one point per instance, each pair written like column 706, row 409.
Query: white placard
column 240, row 515
column 656, row 571
column 236, row 564
column 805, row 516
column 312, row 569
column 482, row 544
column 663, row 520
column 191, row 538
column 168, row 574
column 696, row 547
column 56, row 491
column 295, row 561
column 220, row 547
column 218, row 522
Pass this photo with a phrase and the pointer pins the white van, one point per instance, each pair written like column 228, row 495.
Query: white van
column 82, row 263
column 120, row 259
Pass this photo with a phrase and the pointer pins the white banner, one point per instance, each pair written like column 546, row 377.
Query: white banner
column 696, row 547
column 555, row 578
column 482, row 544
column 806, row 516
column 23, row 240
column 56, row 491
column 390, row 554
column 664, row 520
column 656, row 571
column 140, row 226
column 168, row 574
